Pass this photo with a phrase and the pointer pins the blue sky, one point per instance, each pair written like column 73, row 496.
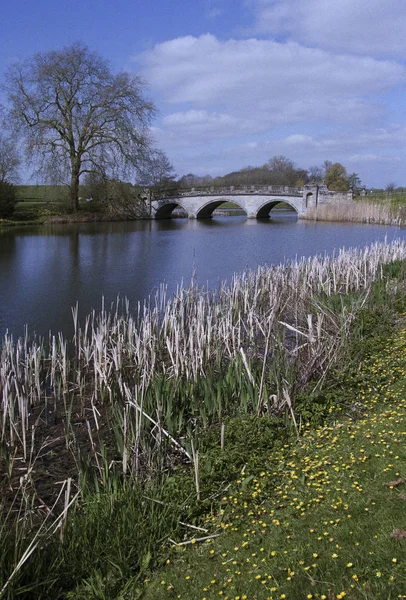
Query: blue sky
column 237, row 82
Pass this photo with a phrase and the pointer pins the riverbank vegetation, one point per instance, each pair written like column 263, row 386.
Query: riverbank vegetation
column 152, row 424
column 359, row 211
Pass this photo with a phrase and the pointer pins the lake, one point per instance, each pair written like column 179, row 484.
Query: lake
column 45, row 270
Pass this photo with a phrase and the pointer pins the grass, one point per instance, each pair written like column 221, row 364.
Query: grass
column 38, row 203
column 324, row 518
column 41, row 193
column 173, row 421
column 395, row 199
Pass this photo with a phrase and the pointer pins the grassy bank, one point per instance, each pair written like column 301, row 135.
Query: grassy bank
column 396, row 199
column 37, row 204
column 153, row 422
column 324, row 518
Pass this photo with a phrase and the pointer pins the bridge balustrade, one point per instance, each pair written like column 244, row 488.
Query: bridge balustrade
column 234, row 190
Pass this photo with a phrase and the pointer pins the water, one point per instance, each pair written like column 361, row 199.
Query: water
column 44, row 270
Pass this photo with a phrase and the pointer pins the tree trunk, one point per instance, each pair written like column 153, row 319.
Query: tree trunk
column 74, row 190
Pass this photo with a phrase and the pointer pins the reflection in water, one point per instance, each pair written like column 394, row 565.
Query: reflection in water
column 44, row 270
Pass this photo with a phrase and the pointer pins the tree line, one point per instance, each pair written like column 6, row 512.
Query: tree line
column 280, row 170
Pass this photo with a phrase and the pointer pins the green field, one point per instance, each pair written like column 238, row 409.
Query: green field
column 395, row 200
column 38, row 194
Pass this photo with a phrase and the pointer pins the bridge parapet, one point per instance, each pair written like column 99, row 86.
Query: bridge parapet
column 233, row 190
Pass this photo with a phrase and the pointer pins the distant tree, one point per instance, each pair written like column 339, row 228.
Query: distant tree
column 390, row 187
column 126, row 201
column 157, row 171
column 8, row 199
column 336, row 178
column 316, row 174
column 354, row 182
column 283, row 171
column 302, row 178
column 191, row 180
column 206, row 180
column 326, row 165
column 10, row 160
column 77, row 117
column 279, row 164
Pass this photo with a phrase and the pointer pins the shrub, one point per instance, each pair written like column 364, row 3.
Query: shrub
column 8, row 199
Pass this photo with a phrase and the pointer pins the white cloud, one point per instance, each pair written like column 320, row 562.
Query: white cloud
column 375, row 27
column 237, row 87
column 347, row 142
column 204, row 70
column 373, row 158
column 298, row 139
column 262, row 74
column 198, row 118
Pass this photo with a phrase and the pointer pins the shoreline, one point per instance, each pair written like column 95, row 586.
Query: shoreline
column 97, row 218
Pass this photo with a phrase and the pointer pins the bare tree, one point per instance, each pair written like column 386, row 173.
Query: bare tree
column 157, row 170
column 280, row 164
column 78, row 117
column 127, row 201
column 316, row 174
column 10, row 160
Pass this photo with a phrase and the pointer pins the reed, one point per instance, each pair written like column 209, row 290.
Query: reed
column 361, row 211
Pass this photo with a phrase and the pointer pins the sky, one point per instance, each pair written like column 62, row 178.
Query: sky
column 236, row 82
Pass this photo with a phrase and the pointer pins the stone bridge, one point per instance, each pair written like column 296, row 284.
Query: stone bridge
column 255, row 200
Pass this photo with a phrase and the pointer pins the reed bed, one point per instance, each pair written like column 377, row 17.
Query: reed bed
column 132, row 390
column 360, row 211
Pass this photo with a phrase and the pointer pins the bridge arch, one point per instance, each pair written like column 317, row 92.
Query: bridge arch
column 206, row 211
column 265, row 209
column 165, row 211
